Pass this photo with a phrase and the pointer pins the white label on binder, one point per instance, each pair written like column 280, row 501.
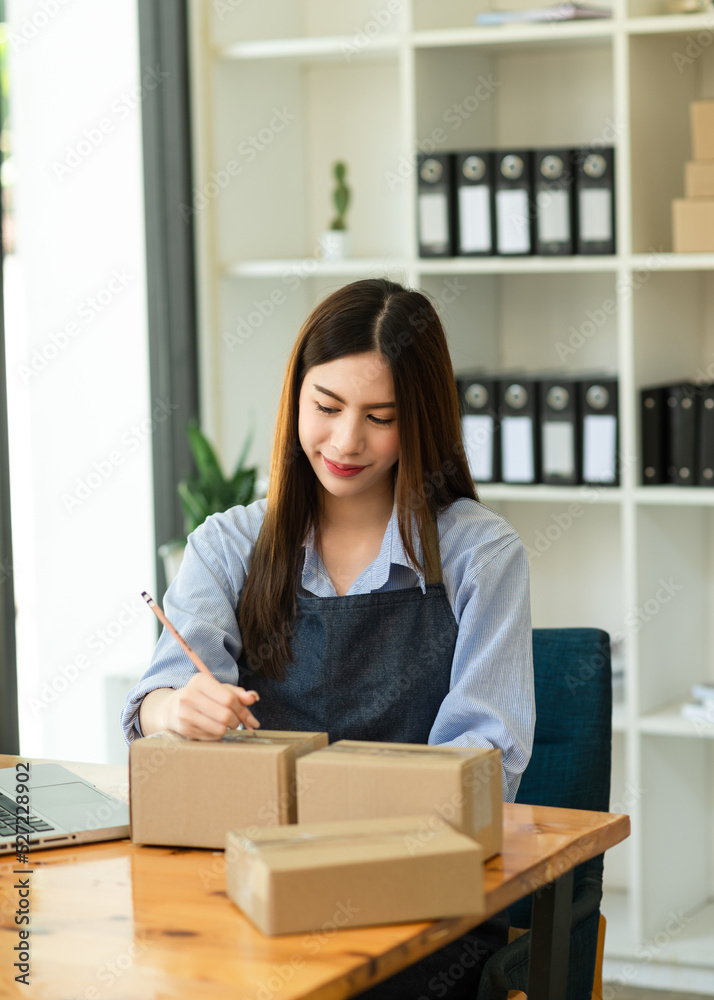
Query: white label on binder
column 478, row 445
column 474, row 219
column 512, row 225
column 595, row 206
column 517, row 449
column 433, row 219
column 553, row 216
column 558, row 448
column 599, row 447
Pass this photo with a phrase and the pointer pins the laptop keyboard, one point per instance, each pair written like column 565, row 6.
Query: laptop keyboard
column 11, row 823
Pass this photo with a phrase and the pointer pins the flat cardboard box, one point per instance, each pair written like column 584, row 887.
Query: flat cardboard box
column 699, row 179
column 693, row 225
column 353, row 779
column 321, row 876
column 189, row 793
column 702, row 119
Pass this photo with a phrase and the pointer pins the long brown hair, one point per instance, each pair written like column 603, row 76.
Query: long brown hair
column 431, row 472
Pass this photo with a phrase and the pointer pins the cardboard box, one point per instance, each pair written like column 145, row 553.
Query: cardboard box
column 189, row 793
column 351, row 779
column 702, row 119
column 693, row 225
column 321, row 876
column 699, row 179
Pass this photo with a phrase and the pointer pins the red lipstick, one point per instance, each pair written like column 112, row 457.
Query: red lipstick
column 342, row 470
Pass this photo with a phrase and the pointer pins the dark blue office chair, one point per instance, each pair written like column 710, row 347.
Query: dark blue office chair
column 570, row 767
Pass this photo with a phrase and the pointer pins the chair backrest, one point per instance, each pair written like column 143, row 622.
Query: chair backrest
column 572, row 748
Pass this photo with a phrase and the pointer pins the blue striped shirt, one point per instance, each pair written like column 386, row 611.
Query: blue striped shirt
column 485, row 570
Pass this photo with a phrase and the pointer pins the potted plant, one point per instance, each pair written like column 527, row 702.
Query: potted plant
column 335, row 241
column 209, row 491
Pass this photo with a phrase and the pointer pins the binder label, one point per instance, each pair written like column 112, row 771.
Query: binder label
column 599, row 448
column 595, row 215
column 558, row 448
column 474, row 219
column 433, row 218
column 478, row 445
column 512, row 214
column 553, row 216
column 517, row 450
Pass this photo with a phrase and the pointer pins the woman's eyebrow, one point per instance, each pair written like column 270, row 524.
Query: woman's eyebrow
column 368, row 406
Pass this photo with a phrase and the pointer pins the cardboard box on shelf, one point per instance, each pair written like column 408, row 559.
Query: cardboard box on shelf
column 352, row 779
column 316, row 876
column 699, row 179
column 189, row 793
column 702, row 120
column 693, row 225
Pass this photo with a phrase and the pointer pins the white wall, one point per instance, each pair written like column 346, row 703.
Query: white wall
column 80, row 414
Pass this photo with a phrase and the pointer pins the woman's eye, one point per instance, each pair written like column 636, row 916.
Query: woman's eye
column 325, row 409
column 381, row 420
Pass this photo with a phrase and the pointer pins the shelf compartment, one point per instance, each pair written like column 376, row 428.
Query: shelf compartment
column 660, row 95
column 672, row 618
column 528, row 322
column 559, row 550
column 287, row 22
column 520, row 97
column 675, row 808
column 279, row 200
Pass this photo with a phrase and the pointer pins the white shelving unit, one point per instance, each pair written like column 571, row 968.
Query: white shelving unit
column 283, row 88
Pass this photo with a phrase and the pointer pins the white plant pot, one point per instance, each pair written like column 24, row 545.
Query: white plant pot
column 172, row 556
column 334, row 244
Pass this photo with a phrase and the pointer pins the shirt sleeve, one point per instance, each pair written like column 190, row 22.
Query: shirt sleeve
column 201, row 603
column 491, row 700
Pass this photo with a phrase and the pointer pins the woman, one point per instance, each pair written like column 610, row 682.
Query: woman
column 371, row 596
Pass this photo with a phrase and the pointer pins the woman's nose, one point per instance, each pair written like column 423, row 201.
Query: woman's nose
column 347, row 436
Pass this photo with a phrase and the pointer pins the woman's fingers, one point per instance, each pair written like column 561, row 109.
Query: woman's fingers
column 205, row 708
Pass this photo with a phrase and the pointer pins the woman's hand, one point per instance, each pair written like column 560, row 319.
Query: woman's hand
column 206, row 708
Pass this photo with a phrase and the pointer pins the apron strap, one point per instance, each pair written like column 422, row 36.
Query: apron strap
column 432, row 556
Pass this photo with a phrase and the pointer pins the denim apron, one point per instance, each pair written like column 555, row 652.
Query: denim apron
column 366, row 666
column 377, row 667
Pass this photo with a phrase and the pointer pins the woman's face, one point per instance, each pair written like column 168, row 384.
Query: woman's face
column 348, row 426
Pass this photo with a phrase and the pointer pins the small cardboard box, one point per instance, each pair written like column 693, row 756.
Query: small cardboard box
column 702, row 119
column 699, row 179
column 693, row 225
column 320, row 876
column 352, row 779
column 189, row 793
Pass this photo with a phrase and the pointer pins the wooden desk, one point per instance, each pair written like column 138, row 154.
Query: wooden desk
column 118, row 921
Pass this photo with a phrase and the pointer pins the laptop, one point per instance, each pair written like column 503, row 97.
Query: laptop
column 64, row 809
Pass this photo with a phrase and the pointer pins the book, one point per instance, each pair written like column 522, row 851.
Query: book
column 567, row 11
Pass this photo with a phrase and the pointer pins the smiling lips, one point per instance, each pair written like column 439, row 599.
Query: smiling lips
column 342, row 470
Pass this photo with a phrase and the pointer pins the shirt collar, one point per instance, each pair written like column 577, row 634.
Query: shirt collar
column 315, row 578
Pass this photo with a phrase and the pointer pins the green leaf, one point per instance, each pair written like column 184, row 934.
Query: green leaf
column 209, row 468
